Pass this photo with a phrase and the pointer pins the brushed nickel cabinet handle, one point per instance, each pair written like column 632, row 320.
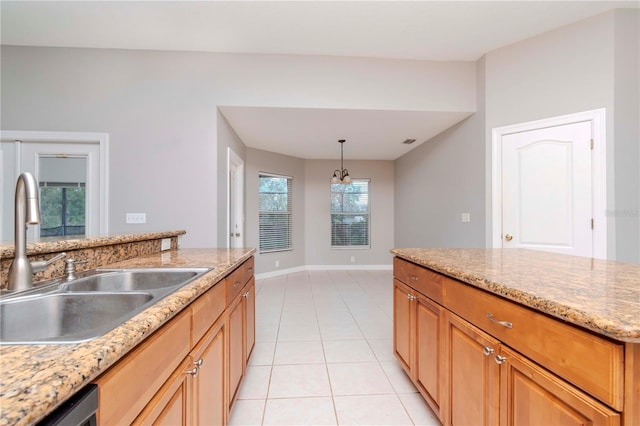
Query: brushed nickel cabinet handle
column 487, row 351
column 413, row 277
column 411, row 297
column 502, row 323
column 193, row 372
column 500, row 359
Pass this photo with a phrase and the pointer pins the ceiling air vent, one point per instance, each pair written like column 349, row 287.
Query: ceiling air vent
column 408, row 141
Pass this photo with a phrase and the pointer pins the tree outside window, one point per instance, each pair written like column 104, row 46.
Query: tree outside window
column 350, row 214
column 274, row 206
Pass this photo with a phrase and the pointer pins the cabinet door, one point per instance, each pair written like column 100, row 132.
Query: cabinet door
column 249, row 317
column 472, row 373
column 235, row 340
column 170, row 405
column 208, row 385
column 530, row 395
column 428, row 360
column 402, row 313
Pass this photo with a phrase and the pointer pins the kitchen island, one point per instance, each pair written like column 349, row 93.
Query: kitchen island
column 519, row 336
column 35, row 379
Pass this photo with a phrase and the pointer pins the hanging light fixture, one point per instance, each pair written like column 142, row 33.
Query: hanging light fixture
column 342, row 175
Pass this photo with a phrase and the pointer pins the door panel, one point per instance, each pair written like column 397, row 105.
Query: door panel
column 547, row 189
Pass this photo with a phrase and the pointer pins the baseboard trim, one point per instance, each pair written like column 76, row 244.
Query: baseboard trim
column 324, row 268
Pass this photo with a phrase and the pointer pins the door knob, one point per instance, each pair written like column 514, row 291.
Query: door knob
column 508, row 237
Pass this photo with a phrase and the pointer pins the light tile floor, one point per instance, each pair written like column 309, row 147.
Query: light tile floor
column 324, row 355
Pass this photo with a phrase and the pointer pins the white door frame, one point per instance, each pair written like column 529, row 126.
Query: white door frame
column 597, row 118
column 234, row 162
column 102, row 139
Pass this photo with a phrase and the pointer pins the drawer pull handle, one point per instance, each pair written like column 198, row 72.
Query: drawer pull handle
column 236, row 284
column 500, row 359
column 487, row 350
column 247, row 294
column 193, row 372
column 198, row 363
column 413, row 277
column 411, row 297
column 503, row 323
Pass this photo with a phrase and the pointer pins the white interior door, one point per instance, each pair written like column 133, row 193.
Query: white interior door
column 235, row 209
column 547, row 189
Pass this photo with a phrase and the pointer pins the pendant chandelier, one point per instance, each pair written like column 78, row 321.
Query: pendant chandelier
column 342, row 175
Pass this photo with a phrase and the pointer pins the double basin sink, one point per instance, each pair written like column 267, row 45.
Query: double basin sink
column 87, row 307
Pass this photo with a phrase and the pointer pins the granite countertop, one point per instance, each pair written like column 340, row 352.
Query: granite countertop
column 75, row 242
column 34, row 379
column 599, row 295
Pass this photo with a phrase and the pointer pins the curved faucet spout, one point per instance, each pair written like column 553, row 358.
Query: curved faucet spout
column 27, row 211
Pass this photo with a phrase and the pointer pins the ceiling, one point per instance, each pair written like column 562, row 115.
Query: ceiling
column 420, row 30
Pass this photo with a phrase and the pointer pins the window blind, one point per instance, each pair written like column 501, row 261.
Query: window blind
column 350, row 214
column 275, row 200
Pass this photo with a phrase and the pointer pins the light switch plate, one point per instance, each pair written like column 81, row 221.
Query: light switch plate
column 165, row 244
column 465, row 217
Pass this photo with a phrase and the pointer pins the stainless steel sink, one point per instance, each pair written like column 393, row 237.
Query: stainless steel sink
column 132, row 280
column 88, row 307
column 52, row 318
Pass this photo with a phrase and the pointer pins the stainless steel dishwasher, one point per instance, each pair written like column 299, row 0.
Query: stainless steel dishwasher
column 79, row 410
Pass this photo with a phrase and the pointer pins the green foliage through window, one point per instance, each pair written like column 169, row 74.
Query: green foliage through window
column 350, row 214
column 62, row 209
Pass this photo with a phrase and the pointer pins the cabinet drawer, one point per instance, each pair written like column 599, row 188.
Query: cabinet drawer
column 421, row 279
column 126, row 388
column 236, row 280
column 206, row 310
column 247, row 268
column 590, row 362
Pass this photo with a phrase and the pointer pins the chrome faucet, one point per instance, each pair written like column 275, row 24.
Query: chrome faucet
column 27, row 211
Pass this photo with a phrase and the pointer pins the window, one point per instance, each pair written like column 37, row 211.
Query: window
column 350, row 214
column 274, row 206
column 62, row 209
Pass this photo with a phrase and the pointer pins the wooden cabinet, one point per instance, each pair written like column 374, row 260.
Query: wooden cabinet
column 530, row 395
column 207, row 386
column 180, row 374
column 417, row 342
column 241, row 335
column 479, row 359
column 171, row 404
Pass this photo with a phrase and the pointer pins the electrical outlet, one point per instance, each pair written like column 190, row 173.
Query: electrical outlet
column 465, row 217
column 165, row 244
column 353, row 259
column 277, row 263
column 136, row 218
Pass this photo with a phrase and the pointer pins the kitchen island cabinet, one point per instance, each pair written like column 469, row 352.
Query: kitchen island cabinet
column 514, row 350
column 158, row 383
column 30, row 373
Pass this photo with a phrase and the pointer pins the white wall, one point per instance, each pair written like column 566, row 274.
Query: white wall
column 577, row 68
column 160, row 111
column 440, row 180
column 584, row 66
column 311, row 211
column 318, row 250
column 263, row 161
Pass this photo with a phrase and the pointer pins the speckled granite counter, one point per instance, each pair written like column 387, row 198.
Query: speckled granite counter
column 34, row 379
column 601, row 296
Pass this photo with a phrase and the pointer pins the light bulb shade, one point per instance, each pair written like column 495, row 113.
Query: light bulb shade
column 335, row 179
column 346, row 179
